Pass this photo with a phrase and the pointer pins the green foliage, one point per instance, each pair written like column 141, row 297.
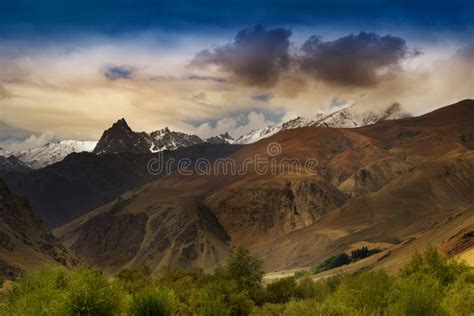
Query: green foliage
column 154, row 302
column 459, row 298
column 56, row 291
column 204, row 294
column 43, row 293
column 308, row 289
column 301, row 308
column 333, row 262
column 246, row 270
column 432, row 263
column 416, row 295
column 429, row 284
column 363, row 252
column 366, row 292
column 268, row 309
column 343, row 259
column 90, row 293
column 135, row 280
column 184, row 283
column 281, row 291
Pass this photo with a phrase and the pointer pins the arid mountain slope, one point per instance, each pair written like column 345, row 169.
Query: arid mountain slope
column 385, row 183
column 26, row 244
column 145, row 226
column 81, row 182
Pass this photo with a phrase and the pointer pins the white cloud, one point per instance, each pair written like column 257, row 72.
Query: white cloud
column 34, row 141
column 233, row 125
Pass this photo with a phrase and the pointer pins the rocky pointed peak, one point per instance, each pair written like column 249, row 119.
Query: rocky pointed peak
column 121, row 138
column 122, row 124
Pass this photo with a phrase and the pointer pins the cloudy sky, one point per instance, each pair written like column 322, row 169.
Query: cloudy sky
column 69, row 69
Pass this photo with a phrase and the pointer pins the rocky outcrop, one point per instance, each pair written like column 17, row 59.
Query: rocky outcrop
column 134, row 232
column 260, row 211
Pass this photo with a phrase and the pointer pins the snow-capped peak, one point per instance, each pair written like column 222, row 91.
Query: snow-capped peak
column 51, row 152
column 347, row 117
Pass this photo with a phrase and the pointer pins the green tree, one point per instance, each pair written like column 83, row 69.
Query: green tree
column 246, row 270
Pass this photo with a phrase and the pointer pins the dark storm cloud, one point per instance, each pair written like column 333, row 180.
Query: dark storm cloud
column 119, row 72
column 359, row 60
column 256, row 57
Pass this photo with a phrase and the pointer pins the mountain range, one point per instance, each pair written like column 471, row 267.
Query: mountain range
column 120, row 138
column 348, row 117
column 47, row 154
column 396, row 184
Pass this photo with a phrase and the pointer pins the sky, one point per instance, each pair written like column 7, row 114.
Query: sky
column 69, row 69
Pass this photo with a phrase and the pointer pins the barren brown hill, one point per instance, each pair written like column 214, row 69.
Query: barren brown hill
column 26, row 244
column 389, row 183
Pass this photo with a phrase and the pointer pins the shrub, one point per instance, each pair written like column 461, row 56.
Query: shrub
column 282, row 290
column 134, row 280
column 417, row 294
column 213, row 307
column 57, row 291
column 41, row 293
column 154, row 302
column 431, row 262
column 459, row 299
column 308, row 289
column 366, row 291
column 237, row 301
column 90, row 293
column 184, row 283
column 268, row 310
column 300, row 308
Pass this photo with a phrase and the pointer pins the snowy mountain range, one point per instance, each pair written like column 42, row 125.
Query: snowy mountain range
column 121, row 138
column 348, row 117
column 49, row 153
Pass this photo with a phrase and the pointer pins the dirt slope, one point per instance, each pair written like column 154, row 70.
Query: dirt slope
column 26, row 244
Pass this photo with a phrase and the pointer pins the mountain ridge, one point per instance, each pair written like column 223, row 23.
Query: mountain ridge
column 386, row 183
